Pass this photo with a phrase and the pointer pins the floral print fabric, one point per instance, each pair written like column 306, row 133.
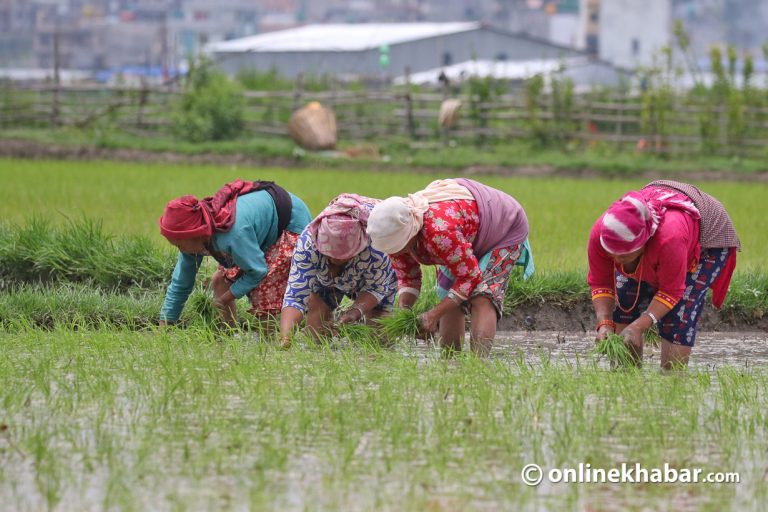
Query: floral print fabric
column 445, row 239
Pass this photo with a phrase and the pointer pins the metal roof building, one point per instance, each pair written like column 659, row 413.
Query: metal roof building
column 379, row 49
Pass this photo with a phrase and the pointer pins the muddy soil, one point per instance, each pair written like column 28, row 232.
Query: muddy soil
column 579, row 317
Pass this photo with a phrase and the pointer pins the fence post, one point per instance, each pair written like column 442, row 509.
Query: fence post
column 723, row 128
column 143, row 96
column 298, row 91
column 620, row 122
column 55, row 110
column 409, row 120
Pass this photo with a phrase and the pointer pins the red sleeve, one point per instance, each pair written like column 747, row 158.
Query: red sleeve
column 447, row 244
column 408, row 272
column 601, row 267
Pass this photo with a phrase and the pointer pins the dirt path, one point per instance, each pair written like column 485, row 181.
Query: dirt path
column 17, row 148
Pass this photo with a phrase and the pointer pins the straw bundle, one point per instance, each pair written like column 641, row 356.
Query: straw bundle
column 313, row 127
column 449, row 113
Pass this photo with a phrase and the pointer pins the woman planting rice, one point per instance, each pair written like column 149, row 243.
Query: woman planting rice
column 652, row 257
column 333, row 259
column 250, row 228
column 474, row 233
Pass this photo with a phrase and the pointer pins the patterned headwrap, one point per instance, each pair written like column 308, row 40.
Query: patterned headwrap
column 339, row 230
column 632, row 220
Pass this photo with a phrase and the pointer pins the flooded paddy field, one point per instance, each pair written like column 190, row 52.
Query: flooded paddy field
column 712, row 349
column 183, row 420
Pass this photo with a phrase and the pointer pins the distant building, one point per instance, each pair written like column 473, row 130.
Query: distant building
column 632, row 33
column 379, row 49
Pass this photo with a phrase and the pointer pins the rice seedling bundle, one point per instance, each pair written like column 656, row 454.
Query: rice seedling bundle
column 356, row 332
column 404, row 323
column 615, row 350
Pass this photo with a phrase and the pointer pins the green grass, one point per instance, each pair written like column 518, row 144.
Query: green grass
column 99, row 409
column 110, row 138
column 76, row 305
column 79, row 251
column 185, row 419
column 610, row 161
column 114, row 241
column 130, row 197
column 81, row 306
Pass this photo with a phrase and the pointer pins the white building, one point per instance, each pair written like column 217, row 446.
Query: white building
column 632, row 32
column 379, row 49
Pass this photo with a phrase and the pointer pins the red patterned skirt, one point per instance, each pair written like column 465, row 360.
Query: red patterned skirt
column 267, row 298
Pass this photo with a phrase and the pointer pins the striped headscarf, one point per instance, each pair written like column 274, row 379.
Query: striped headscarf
column 632, row 220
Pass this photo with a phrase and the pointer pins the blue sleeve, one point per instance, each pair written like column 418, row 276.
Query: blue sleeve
column 300, row 216
column 247, row 254
column 303, row 275
column 182, row 284
column 380, row 279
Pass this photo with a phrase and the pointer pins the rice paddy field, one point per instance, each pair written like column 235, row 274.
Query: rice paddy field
column 102, row 410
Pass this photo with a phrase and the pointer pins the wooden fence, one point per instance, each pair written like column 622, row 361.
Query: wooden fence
column 627, row 122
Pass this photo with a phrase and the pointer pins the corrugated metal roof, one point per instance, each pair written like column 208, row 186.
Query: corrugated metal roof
column 339, row 37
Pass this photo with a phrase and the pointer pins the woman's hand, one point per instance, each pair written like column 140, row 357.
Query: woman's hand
column 633, row 336
column 604, row 331
column 429, row 322
column 351, row 316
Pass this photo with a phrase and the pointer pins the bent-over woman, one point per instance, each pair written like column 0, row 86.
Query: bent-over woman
column 334, row 259
column 250, row 228
column 474, row 234
column 652, row 257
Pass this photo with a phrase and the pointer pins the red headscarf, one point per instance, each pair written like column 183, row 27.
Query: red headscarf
column 186, row 217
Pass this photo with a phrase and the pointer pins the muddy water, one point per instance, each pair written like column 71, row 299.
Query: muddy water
column 712, row 349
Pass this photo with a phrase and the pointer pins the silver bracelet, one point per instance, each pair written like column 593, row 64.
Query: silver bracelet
column 362, row 313
column 653, row 317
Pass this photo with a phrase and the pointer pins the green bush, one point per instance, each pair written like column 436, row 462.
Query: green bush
column 211, row 107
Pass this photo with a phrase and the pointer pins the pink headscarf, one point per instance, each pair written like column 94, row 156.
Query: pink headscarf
column 339, row 230
column 632, row 220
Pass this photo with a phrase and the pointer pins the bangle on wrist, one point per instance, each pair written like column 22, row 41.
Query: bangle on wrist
column 607, row 322
column 652, row 316
column 362, row 313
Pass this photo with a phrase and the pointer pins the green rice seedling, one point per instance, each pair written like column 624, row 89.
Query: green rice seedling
column 615, row 350
column 200, row 305
column 403, row 323
column 651, row 337
column 80, row 251
column 114, row 192
column 356, row 331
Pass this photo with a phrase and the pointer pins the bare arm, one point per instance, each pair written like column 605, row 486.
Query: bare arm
column 290, row 317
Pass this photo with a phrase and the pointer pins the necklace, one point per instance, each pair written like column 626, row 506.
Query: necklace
column 639, row 279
